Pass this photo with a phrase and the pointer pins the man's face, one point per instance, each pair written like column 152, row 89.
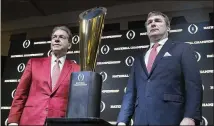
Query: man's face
column 59, row 42
column 156, row 26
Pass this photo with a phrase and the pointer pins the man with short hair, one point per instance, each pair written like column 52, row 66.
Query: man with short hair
column 164, row 87
column 44, row 86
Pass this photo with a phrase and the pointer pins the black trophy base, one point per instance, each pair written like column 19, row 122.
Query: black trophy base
column 76, row 122
column 84, row 95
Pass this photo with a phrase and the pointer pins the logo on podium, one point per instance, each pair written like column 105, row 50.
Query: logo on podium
column 80, row 77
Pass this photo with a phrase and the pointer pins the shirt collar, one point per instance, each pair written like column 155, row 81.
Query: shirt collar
column 61, row 59
column 161, row 42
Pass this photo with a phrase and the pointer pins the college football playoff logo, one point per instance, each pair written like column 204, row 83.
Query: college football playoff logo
column 130, row 34
column 104, row 75
column 198, row 56
column 13, row 93
column 104, row 49
column 129, row 61
column 49, row 52
column 21, row 67
column 204, row 121
column 5, row 122
column 132, row 122
column 74, row 61
column 80, row 77
column 26, row 44
column 102, row 106
column 125, row 90
column 75, row 39
column 192, row 29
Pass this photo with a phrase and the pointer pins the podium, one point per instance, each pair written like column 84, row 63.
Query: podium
column 76, row 122
column 84, row 95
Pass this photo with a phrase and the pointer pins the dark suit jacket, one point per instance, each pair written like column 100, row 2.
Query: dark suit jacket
column 170, row 92
column 34, row 100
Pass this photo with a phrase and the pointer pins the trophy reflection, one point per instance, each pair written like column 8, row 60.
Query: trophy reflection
column 85, row 87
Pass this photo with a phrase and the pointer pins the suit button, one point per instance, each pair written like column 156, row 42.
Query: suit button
column 148, row 81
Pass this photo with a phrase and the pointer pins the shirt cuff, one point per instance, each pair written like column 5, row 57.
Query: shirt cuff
column 190, row 119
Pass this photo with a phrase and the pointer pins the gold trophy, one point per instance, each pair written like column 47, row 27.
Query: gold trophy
column 90, row 31
column 85, row 87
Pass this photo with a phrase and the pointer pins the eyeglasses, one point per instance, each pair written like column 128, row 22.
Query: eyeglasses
column 60, row 37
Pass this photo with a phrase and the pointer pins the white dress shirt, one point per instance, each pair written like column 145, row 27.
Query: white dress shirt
column 161, row 42
column 53, row 62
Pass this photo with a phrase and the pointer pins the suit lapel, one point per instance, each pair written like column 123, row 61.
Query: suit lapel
column 160, row 55
column 47, row 73
column 142, row 61
column 63, row 74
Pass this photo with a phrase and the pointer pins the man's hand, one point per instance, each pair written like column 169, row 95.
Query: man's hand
column 187, row 121
column 13, row 124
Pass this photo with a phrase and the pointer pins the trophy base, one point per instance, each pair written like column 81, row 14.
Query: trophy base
column 85, row 95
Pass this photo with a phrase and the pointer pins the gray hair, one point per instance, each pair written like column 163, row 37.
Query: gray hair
column 64, row 28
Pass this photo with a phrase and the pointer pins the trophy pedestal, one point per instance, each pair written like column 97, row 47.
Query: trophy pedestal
column 85, row 95
column 76, row 122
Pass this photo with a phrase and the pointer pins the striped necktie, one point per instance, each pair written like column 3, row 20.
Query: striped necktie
column 152, row 56
column 55, row 73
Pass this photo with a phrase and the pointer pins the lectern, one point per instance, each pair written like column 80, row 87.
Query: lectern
column 76, row 122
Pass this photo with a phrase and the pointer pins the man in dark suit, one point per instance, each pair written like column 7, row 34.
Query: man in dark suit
column 44, row 86
column 164, row 87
